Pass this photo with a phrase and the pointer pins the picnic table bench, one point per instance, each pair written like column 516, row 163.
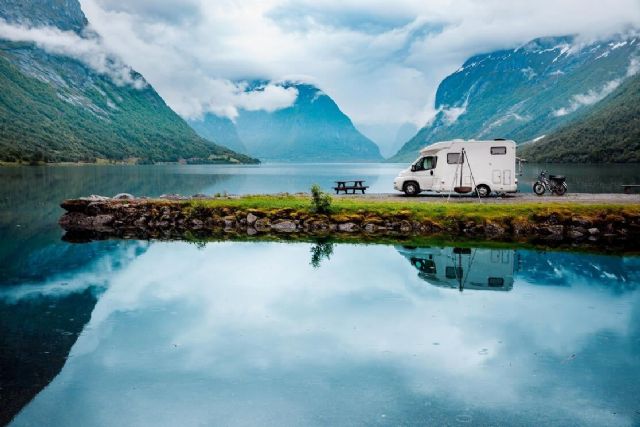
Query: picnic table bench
column 628, row 187
column 354, row 185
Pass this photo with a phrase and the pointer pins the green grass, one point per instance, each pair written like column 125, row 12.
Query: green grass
column 403, row 209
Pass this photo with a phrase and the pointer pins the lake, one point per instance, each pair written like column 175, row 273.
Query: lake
column 236, row 333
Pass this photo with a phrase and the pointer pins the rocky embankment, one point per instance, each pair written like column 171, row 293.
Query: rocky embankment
column 123, row 216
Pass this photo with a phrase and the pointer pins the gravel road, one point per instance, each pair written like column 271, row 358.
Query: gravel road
column 513, row 198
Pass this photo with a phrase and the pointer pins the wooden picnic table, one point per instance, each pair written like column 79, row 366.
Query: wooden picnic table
column 353, row 185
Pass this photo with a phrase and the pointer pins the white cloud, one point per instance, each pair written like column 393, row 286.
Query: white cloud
column 592, row 96
column 88, row 50
column 380, row 61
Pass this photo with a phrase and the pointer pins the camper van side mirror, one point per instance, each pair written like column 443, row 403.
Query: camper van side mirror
column 414, row 168
column 431, row 172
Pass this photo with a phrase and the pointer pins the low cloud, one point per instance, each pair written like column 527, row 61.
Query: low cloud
column 222, row 97
column 225, row 98
column 88, row 50
column 381, row 62
column 595, row 95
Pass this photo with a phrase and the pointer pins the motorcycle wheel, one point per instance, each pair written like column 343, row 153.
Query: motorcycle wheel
column 538, row 188
column 561, row 189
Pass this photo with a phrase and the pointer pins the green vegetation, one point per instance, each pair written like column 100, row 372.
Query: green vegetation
column 516, row 94
column 54, row 109
column 610, row 133
column 344, row 209
column 320, row 201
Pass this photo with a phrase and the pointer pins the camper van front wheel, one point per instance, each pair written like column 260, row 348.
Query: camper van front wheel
column 483, row 190
column 411, row 188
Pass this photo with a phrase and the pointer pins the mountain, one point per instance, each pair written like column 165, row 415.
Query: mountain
column 528, row 92
column 313, row 129
column 610, row 132
column 219, row 129
column 54, row 107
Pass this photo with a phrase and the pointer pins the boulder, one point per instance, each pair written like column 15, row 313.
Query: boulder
column 575, row 234
column 370, row 228
column 262, row 224
column 405, row 226
column 284, row 226
column 251, row 219
column 229, row 221
column 348, row 227
column 123, row 196
column 494, row 230
column 594, row 231
column 95, row 198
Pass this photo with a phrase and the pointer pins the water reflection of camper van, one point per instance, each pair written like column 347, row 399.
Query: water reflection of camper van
column 463, row 268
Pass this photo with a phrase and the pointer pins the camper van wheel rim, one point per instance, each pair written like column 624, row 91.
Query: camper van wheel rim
column 411, row 188
column 483, row 190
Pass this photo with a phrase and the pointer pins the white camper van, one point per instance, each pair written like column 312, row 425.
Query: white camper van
column 462, row 166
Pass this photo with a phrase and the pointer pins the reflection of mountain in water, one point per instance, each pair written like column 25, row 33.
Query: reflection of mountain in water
column 36, row 337
column 495, row 269
column 41, row 321
column 463, row 268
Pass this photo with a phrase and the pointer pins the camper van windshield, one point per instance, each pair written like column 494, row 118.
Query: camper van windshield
column 426, row 163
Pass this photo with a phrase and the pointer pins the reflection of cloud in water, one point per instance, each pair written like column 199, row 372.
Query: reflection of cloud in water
column 245, row 334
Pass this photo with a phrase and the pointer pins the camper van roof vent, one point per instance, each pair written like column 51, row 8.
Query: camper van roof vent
column 499, row 139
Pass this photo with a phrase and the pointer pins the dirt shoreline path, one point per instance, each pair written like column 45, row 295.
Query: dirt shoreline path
column 514, row 198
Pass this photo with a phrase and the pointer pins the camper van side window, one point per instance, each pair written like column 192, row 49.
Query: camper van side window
column 498, row 150
column 453, row 158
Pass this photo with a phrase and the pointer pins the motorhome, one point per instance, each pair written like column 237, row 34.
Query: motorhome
column 483, row 167
column 463, row 268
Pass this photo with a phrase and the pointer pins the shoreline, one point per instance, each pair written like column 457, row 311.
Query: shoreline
column 615, row 225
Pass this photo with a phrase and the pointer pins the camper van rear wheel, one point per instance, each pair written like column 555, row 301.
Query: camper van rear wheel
column 411, row 188
column 483, row 190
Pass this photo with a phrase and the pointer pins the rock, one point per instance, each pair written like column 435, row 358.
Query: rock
column 580, row 222
column 554, row 232
column 405, row 226
column 197, row 224
column 262, row 224
column 123, row 196
column 594, row 231
column 348, row 227
column 172, row 197
column 285, row 226
column 102, row 220
column 251, row 231
column 370, row 228
column 229, row 222
column 140, row 222
column 95, row 198
column 574, row 234
column 251, row 218
column 494, row 230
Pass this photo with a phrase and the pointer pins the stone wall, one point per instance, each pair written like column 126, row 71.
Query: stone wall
column 125, row 217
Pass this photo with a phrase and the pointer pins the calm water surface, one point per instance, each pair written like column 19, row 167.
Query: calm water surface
column 151, row 333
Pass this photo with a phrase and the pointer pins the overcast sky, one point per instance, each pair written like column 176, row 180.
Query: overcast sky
column 380, row 60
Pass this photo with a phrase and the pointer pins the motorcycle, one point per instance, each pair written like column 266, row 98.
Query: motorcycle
column 554, row 183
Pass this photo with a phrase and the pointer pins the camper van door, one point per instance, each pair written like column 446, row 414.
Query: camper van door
column 423, row 171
